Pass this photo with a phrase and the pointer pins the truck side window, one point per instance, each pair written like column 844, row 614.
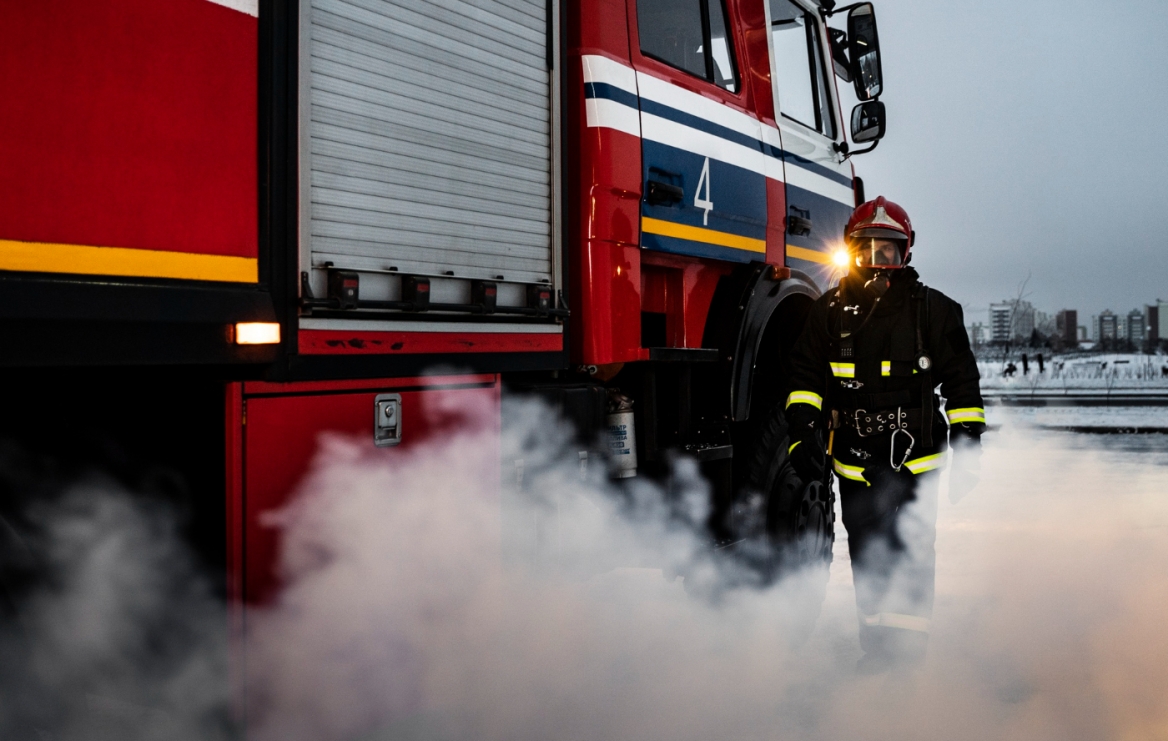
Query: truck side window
column 679, row 33
column 804, row 95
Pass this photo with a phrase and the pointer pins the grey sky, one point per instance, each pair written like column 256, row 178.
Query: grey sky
column 1028, row 137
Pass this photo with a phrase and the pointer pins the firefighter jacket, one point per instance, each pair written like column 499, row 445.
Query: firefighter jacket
column 866, row 367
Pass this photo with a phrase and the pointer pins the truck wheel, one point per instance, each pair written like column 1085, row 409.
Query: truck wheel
column 795, row 519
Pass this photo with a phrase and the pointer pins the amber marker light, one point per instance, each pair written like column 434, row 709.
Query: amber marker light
column 257, row 333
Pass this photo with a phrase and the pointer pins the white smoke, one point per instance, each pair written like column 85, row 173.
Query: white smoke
column 433, row 592
column 121, row 637
column 411, row 611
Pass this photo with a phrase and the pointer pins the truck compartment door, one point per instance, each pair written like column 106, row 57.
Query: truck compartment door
column 428, row 146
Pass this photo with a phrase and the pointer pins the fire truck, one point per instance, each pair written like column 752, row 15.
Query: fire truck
column 227, row 226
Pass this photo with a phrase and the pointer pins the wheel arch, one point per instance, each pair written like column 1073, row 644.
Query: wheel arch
column 756, row 316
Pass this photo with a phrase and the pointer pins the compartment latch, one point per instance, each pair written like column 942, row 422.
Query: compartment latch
column 387, row 422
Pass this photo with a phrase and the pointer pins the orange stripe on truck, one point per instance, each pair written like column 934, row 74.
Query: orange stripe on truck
column 43, row 257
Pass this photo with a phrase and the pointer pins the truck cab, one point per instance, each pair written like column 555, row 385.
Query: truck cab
column 714, row 182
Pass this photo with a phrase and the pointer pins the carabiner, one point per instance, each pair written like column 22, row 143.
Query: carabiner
column 892, row 449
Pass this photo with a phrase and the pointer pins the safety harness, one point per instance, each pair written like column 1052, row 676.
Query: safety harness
column 872, row 414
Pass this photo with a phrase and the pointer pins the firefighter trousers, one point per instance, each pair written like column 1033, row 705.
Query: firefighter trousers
column 891, row 523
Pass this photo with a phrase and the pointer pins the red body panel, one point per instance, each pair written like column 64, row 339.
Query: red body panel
column 755, row 60
column 320, row 342
column 129, row 123
column 603, row 202
column 281, row 425
column 776, row 235
column 682, row 288
column 612, row 279
column 608, row 302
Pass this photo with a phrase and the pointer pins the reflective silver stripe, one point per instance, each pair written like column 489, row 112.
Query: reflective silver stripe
column 969, row 414
column 854, row 473
column 927, row 463
column 805, row 397
column 897, row 620
column 843, row 370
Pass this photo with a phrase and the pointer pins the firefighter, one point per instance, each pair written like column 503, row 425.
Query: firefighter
column 864, row 374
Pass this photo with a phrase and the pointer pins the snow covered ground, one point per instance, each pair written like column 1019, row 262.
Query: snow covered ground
column 1114, row 371
column 1079, row 417
column 1068, row 380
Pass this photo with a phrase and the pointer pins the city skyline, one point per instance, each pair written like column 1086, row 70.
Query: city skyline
column 1017, row 319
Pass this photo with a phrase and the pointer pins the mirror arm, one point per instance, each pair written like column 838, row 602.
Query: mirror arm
column 860, row 151
column 834, row 11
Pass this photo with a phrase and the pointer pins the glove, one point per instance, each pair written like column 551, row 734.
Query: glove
column 806, row 448
column 808, row 458
column 965, row 472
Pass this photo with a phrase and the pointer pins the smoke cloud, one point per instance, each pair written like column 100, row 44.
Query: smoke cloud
column 115, row 633
column 423, row 599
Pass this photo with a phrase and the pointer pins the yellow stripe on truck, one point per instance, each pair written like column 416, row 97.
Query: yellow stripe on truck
column 703, row 235
column 45, row 257
column 802, row 253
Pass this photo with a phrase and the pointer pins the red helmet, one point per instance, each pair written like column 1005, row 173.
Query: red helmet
column 880, row 219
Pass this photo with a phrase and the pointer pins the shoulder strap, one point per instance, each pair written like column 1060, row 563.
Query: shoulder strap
column 921, row 312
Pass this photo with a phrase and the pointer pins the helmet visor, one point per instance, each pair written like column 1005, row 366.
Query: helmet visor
column 877, row 252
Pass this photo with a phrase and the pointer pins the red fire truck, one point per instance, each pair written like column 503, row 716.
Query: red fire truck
column 227, row 226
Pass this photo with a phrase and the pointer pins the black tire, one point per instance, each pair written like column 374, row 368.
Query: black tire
column 789, row 523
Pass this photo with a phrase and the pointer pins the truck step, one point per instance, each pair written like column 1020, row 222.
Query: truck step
column 684, row 355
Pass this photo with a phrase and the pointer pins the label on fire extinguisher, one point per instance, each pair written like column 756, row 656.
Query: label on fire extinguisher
column 622, row 445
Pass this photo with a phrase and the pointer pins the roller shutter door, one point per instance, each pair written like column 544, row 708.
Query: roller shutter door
column 429, row 137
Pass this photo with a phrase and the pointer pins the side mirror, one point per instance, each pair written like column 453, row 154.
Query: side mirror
column 868, row 122
column 864, row 48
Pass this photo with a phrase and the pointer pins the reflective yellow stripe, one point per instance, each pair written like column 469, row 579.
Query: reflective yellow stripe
column 700, row 234
column 843, row 370
column 81, row 259
column 971, row 414
column 802, row 253
column 897, row 620
column 886, row 367
column 927, row 463
column 855, row 473
column 805, row 397
column 793, row 447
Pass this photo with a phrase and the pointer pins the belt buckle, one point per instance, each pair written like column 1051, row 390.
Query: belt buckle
column 856, row 421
